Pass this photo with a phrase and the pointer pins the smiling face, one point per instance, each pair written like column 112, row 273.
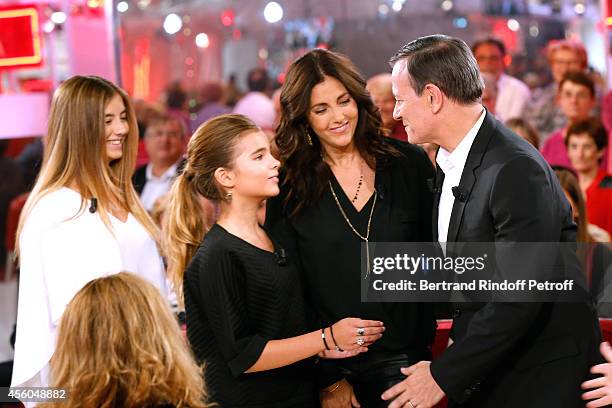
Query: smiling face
column 333, row 114
column 414, row 111
column 254, row 173
column 116, row 128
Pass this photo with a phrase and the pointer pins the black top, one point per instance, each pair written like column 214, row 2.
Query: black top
column 329, row 251
column 237, row 297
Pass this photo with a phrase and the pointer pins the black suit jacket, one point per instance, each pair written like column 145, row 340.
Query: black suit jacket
column 514, row 354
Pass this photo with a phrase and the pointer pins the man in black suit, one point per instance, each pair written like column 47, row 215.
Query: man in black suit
column 492, row 187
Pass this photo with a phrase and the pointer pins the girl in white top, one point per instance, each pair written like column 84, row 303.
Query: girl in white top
column 83, row 219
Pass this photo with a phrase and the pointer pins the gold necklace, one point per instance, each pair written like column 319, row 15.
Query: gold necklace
column 367, row 236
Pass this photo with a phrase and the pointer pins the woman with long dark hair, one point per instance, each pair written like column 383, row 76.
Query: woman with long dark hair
column 343, row 184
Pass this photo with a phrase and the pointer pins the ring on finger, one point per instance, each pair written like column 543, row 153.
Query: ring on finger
column 411, row 404
column 360, row 331
column 360, row 341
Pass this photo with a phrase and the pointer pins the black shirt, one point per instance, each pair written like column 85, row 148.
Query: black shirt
column 329, row 251
column 237, row 297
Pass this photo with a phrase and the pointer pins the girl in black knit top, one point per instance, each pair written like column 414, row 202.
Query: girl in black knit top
column 242, row 294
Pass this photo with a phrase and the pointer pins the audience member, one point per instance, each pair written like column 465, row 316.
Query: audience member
column 11, row 186
column 522, row 128
column 489, row 93
column 256, row 104
column 576, row 99
column 379, row 87
column 512, row 94
column 211, row 95
column 231, row 92
column 165, row 143
column 176, row 103
column 586, row 143
column 119, row 345
column 543, row 111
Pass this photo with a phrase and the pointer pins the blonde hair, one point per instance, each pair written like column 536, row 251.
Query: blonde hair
column 75, row 153
column 211, row 147
column 119, row 345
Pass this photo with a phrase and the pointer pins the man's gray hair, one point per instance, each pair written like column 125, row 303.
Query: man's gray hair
column 443, row 61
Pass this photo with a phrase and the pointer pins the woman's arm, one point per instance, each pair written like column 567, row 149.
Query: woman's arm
column 279, row 353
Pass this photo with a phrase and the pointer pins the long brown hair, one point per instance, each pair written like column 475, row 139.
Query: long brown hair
column 211, row 147
column 119, row 345
column 306, row 173
column 570, row 184
column 75, row 153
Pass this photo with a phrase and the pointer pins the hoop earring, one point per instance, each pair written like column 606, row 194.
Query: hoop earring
column 228, row 196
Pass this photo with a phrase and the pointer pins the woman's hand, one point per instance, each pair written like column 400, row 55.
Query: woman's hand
column 352, row 333
column 601, row 392
column 338, row 395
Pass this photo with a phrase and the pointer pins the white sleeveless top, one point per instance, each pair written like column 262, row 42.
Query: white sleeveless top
column 59, row 255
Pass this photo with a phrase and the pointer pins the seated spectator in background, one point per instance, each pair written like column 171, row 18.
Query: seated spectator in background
column 594, row 257
column 512, row 94
column 176, row 103
column 256, row 104
column 489, row 93
column 586, row 144
column 165, row 143
column 231, row 92
column 119, row 345
column 379, row 87
column 576, row 99
column 29, row 162
column 211, row 95
column 145, row 113
column 11, row 186
column 522, row 128
column 543, row 113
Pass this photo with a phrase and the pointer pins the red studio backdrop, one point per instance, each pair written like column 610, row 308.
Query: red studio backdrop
column 20, row 37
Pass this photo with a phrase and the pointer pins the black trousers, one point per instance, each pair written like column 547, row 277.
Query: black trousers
column 374, row 372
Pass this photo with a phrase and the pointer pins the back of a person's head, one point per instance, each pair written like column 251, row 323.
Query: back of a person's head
column 119, row 345
column 211, row 92
column 175, row 96
column 525, row 130
column 571, row 187
column 257, row 80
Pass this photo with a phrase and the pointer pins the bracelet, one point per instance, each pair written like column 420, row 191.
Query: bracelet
column 334, row 389
column 331, row 330
column 323, row 337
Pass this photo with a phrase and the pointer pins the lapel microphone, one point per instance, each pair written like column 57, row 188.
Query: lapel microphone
column 93, row 207
column 459, row 195
column 281, row 257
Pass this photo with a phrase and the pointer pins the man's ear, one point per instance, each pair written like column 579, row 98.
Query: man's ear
column 225, row 177
column 435, row 97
